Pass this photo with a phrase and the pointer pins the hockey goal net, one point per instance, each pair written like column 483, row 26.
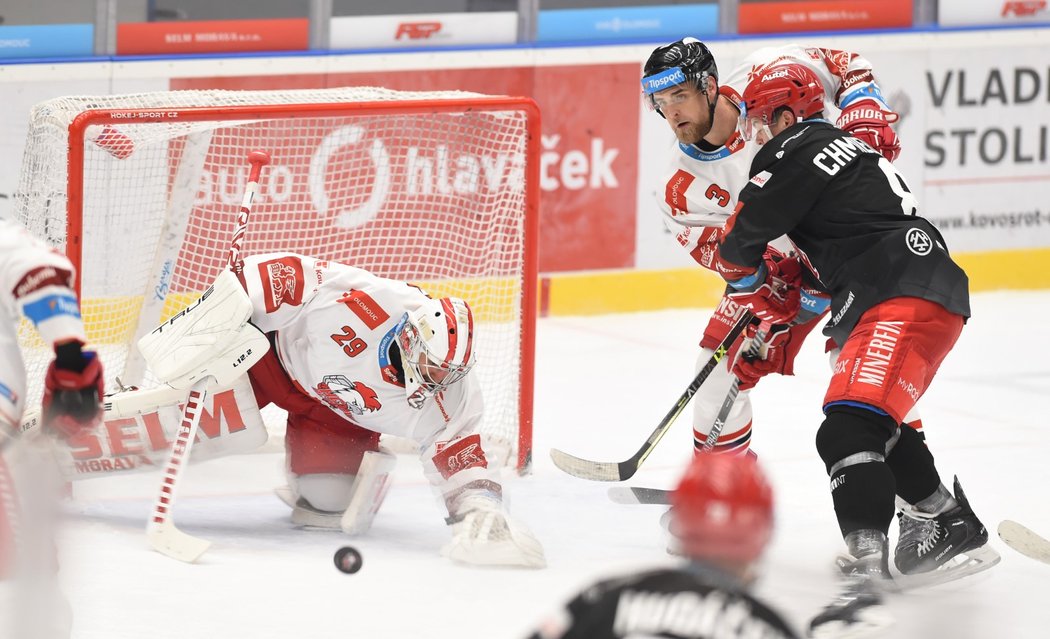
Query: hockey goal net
column 439, row 189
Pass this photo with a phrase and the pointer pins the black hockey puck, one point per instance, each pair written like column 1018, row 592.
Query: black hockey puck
column 347, row 560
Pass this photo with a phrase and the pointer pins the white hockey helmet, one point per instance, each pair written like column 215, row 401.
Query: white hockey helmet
column 437, row 347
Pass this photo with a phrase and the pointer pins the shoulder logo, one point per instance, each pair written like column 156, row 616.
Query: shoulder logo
column 918, row 242
column 282, row 282
column 348, row 397
column 761, row 178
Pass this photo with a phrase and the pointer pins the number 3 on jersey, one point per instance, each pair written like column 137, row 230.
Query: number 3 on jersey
column 717, row 194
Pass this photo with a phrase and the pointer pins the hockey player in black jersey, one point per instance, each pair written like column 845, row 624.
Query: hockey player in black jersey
column 723, row 517
column 899, row 303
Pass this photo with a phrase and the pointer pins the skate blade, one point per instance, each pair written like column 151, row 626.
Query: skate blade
column 963, row 565
column 873, row 621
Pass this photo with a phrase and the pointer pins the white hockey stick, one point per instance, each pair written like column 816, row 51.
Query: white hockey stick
column 1023, row 540
column 161, row 530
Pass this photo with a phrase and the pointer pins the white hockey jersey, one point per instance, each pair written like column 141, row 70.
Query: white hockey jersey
column 700, row 189
column 36, row 282
column 335, row 327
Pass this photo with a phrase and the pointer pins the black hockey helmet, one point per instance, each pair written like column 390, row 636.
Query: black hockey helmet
column 687, row 60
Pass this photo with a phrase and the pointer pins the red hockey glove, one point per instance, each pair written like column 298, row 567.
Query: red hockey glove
column 771, row 358
column 772, row 292
column 868, row 121
column 73, row 388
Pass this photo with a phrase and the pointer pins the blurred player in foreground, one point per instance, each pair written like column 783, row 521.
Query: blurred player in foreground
column 722, row 517
column 36, row 283
column 899, row 303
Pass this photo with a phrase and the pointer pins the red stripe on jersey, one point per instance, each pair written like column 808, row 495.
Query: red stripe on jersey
column 674, row 192
column 366, row 308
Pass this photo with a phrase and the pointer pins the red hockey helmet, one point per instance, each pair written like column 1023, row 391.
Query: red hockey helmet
column 790, row 85
column 437, row 346
column 722, row 510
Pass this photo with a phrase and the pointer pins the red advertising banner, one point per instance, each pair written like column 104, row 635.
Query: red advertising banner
column 829, row 15
column 588, row 175
column 213, row 36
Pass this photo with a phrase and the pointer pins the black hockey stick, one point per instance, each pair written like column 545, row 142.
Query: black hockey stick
column 620, row 471
column 640, row 495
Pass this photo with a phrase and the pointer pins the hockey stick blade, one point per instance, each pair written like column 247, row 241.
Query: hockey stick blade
column 168, row 540
column 620, row 471
column 1023, row 540
column 586, row 469
column 631, row 495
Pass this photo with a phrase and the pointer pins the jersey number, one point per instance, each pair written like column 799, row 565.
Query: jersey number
column 351, row 343
column 909, row 203
column 718, row 194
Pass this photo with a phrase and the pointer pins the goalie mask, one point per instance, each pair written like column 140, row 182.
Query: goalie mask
column 723, row 509
column 437, row 347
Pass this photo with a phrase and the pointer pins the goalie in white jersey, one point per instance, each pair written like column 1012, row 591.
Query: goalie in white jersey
column 36, row 283
column 355, row 356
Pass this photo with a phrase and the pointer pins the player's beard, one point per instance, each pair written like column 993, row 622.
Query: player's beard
column 692, row 133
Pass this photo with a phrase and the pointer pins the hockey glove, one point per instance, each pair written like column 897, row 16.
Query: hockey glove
column 771, row 357
column 867, row 120
column 772, row 291
column 73, row 388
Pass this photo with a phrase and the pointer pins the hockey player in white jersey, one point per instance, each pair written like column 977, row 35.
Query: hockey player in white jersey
column 355, row 356
column 709, row 166
column 36, row 283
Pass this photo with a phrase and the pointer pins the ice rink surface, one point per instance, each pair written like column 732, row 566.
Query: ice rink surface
column 602, row 385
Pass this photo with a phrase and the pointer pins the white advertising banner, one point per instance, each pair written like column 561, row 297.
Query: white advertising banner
column 415, row 30
column 974, row 105
column 954, row 13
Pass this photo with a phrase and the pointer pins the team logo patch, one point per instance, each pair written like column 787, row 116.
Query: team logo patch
column 366, row 308
column 347, row 397
column 459, row 455
column 918, row 242
column 282, row 281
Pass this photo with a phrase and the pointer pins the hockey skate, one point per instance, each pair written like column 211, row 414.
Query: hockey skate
column 858, row 610
column 940, row 548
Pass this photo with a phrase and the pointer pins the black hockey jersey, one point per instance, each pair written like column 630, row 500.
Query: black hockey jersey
column 693, row 603
column 853, row 219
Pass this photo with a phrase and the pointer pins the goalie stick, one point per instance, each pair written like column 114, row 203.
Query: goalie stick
column 620, row 471
column 163, row 535
column 1025, row 541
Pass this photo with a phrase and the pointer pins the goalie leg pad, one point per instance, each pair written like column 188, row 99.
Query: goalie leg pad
column 373, row 481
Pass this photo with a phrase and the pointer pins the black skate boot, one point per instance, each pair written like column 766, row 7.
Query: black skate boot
column 858, row 610
column 932, row 542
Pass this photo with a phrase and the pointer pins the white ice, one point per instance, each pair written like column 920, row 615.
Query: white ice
column 602, row 384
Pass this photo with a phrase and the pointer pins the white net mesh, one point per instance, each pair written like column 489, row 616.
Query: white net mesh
column 429, row 195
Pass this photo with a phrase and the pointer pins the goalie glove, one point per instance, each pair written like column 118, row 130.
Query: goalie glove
column 484, row 534
column 73, row 388
column 869, row 121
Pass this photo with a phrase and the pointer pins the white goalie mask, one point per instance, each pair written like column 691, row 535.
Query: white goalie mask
column 437, row 347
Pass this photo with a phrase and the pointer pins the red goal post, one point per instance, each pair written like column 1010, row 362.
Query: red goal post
column 440, row 189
